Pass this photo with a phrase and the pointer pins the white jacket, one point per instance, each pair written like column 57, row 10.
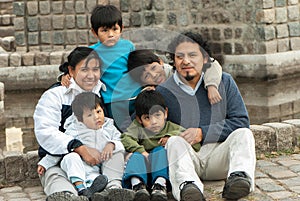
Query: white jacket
column 47, row 116
column 92, row 138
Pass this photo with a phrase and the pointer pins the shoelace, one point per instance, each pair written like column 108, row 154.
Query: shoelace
column 157, row 187
column 185, row 183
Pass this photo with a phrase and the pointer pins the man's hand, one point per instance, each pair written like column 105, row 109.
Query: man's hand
column 192, row 135
column 90, row 155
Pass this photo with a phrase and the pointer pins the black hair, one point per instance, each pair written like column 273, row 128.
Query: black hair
column 149, row 102
column 193, row 38
column 105, row 16
column 137, row 60
column 76, row 56
column 85, row 100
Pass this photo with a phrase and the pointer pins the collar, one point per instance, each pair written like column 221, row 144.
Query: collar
column 186, row 87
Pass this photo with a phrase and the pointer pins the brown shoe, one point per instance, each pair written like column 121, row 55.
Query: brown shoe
column 190, row 192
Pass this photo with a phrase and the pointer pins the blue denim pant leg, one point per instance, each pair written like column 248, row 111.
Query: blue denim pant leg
column 135, row 167
column 159, row 163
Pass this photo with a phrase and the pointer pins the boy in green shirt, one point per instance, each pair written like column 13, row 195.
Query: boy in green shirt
column 145, row 140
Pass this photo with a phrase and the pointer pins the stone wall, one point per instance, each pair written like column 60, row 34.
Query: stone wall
column 18, row 168
column 2, row 118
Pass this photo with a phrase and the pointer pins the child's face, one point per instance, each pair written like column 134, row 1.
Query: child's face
column 153, row 74
column 93, row 119
column 154, row 122
column 109, row 36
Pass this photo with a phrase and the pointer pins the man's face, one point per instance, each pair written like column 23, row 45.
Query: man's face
column 93, row 119
column 153, row 74
column 189, row 61
column 109, row 36
column 154, row 122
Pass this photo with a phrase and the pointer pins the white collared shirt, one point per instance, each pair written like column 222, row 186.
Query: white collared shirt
column 186, row 88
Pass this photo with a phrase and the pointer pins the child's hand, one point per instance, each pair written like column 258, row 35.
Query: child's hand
column 107, row 152
column 213, row 95
column 65, row 80
column 163, row 141
column 40, row 170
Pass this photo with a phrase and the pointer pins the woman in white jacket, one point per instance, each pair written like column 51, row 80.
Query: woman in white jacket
column 53, row 108
column 88, row 125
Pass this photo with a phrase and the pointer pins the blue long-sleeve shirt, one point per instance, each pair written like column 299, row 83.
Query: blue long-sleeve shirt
column 216, row 121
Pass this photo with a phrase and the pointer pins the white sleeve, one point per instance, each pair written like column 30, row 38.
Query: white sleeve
column 47, row 118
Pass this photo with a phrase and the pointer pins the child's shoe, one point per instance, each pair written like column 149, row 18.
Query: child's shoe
column 141, row 193
column 159, row 193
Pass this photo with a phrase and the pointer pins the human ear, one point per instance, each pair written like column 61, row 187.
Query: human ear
column 70, row 71
column 139, row 120
column 94, row 33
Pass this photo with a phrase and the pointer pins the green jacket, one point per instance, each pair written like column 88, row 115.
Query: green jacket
column 139, row 139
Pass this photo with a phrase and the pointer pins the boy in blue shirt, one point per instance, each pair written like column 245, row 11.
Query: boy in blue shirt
column 107, row 27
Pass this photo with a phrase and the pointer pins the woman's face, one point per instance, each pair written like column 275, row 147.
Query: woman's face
column 86, row 74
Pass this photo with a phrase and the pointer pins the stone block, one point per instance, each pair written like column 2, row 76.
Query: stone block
column 281, row 15
column 4, row 59
column 19, row 23
column 82, row 37
column 31, row 159
column 15, row 167
column 46, row 37
column 282, row 31
column 44, row 7
column 82, row 21
column 58, row 38
column 283, row 45
column 284, row 134
column 42, row 58
column 286, row 109
column 69, row 7
column 295, row 43
column 56, row 57
column 294, row 28
column 271, row 46
column 58, row 22
column 45, row 23
column 79, row 7
column 15, row 59
column 20, row 38
column 32, row 8
column 28, row 59
column 19, row 8
column 296, row 130
column 268, row 3
column 32, row 24
column 57, row 7
column 8, row 43
column 33, row 38
column 293, row 13
column 265, row 138
column 70, row 21
column 265, row 16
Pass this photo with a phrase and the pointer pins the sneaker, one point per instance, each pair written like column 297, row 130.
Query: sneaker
column 64, row 196
column 141, row 193
column 159, row 193
column 98, row 185
column 190, row 192
column 114, row 194
column 236, row 186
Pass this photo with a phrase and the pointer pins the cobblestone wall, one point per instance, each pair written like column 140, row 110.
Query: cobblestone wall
column 233, row 27
column 2, row 119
